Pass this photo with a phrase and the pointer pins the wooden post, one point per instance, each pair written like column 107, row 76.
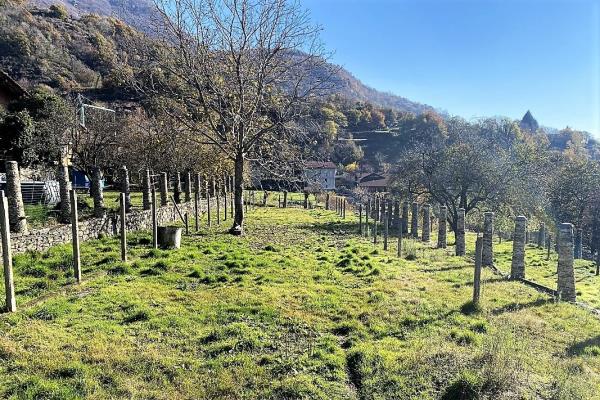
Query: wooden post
column 375, row 221
column 123, row 227
column 154, row 221
column 360, row 230
column 400, row 223
column 218, row 197
column 344, row 208
column 327, row 202
column 548, row 246
column 196, row 223
column 225, row 206
column 231, row 204
column 9, row 282
column 75, row 232
column 386, row 218
column 208, row 208
column 367, row 211
column 187, row 223
column 477, row 275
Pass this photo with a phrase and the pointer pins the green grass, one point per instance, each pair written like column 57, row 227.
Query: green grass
column 542, row 270
column 300, row 308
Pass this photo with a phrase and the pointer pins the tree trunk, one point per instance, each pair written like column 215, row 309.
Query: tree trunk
column 238, row 219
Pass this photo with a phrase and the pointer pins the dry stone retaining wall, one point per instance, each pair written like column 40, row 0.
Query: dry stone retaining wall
column 136, row 220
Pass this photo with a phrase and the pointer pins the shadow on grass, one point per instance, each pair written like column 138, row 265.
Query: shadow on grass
column 497, row 279
column 512, row 307
column 590, row 346
column 443, row 269
column 345, row 227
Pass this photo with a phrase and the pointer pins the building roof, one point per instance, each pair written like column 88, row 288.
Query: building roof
column 375, row 183
column 10, row 85
column 319, row 165
column 370, row 176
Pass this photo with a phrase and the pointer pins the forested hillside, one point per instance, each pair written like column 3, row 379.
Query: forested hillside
column 68, row 47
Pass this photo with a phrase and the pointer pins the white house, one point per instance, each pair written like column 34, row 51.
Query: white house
column 320, row 175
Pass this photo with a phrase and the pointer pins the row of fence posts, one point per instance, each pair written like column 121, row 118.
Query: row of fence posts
column 149, row 200
column 379, row 214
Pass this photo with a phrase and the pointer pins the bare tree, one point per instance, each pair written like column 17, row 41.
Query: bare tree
column 235, row 73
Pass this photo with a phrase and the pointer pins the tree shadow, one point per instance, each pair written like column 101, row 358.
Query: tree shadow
column 497, row 279
column 443, row 269
column 512, row 307
column 345, row 227
column 579, row 348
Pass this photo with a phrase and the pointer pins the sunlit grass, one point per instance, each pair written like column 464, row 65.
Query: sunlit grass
column 299, row 308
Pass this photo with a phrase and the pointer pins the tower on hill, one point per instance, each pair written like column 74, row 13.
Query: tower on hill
column 528, row 123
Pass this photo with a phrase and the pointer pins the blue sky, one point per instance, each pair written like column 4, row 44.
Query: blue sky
column 474, row 58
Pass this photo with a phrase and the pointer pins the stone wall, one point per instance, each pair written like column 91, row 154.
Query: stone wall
column 137, row 220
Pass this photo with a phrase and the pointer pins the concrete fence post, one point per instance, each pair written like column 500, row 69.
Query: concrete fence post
column 442, row 228
column 124, row 178
column 396, row 216
column 414, row 227
column 405, row 218
column 542, row 236
column 75, row 233
column 460, row 232
column 97, row 191
column 566, row 275
column 64, row 185
column 164, row 189
column 146, row 185
column 487, row 256
column 16, row 208
column 579, row 244
column 197, row 184
column 177, row 188
column 9, row 282
column 426, row 234
column 517, row 269
column 187, row 185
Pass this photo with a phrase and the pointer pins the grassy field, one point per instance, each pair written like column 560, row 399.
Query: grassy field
column 300, row 308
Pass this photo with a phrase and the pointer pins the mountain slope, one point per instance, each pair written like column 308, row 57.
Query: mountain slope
column 135, row 12
column 139, row 13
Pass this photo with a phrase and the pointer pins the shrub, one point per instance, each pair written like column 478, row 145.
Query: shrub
column 58, row 11
column 463, row 337
column 465, row 387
